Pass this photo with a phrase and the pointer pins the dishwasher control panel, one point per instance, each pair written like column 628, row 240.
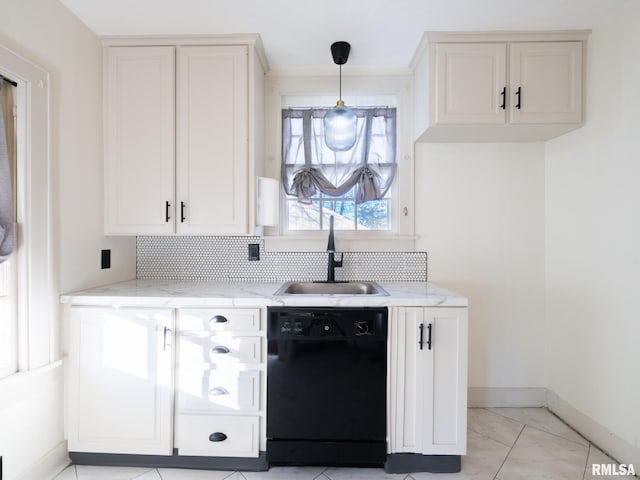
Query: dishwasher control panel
column 315, row 322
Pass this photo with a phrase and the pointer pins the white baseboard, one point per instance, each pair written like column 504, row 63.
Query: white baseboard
column 605, row 440
column 506, row 397
column 49, row 466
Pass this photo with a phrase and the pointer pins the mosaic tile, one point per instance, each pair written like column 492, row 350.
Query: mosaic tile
column 226, row 258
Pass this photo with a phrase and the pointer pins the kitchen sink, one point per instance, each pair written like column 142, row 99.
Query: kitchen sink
column 331, row 288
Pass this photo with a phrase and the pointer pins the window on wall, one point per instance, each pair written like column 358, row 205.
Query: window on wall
column 8, row 320
column 353, row 186
column 8, row 266
column 28, row 339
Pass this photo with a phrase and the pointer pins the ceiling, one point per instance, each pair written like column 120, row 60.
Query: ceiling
column 297, row 33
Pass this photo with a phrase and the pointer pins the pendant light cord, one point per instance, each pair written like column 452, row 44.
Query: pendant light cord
column 340, row 82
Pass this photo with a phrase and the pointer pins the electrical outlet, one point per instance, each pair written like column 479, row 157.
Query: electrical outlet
column 105, row 261
column 254, row 251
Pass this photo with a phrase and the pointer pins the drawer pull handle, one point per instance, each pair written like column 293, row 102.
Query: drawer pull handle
column 217, row 437
column 218, row 319
column 220, row 349
column 216, row 391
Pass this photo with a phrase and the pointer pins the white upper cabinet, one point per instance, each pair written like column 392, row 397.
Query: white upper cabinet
column 212, row 140
column 545, row 82
column 498, row 86
column 181, row 124
column 471, row 83
column 139, row 139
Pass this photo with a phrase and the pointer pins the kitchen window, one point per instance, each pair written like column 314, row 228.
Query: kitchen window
column 353, row 186
column 390, row 225
column 29, row 337
column 8, row 319
column 9, row 265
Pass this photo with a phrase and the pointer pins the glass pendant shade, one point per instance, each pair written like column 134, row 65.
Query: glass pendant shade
column 340, row 128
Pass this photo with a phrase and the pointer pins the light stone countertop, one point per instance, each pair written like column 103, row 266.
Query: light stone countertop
column 207, row 293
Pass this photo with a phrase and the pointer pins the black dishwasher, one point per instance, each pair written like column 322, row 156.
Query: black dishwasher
column 326, row 386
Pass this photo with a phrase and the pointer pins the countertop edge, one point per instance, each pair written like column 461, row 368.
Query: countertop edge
column 193, row 294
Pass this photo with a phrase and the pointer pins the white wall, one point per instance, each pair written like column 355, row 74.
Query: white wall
column 593, row 241
column 480, row 216
column 45, row 33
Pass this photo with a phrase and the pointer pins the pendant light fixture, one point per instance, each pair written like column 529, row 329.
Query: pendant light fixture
column 340, row 122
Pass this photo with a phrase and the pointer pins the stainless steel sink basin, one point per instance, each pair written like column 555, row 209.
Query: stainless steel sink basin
column 331, row 288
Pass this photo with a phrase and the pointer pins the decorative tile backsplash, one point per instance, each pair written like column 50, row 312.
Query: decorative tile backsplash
column 226, row 258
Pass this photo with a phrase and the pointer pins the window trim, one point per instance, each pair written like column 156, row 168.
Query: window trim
column 37, row 297
column 322, row 86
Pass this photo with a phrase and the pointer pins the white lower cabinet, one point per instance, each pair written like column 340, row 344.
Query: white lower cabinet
column 121, row 386
column 217, row 435
column 428, row 380
column 219, row 390
column 120, row 380
column 220, row 383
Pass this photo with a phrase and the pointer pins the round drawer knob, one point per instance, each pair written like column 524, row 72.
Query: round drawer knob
column 217, row 437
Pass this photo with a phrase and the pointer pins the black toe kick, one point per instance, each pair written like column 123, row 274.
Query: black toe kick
column 326, row 453
column 413, row 462
column 257, row 464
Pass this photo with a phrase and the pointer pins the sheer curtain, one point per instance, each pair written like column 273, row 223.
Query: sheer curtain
column 6, row 193
column 309, row 166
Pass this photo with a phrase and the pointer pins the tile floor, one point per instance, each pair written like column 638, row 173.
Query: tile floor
column 503, row 444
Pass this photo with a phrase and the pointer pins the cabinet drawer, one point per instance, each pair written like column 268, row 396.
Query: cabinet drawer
column 219, row 319
column 219, row 391
column 196, row 350
column 218, row 435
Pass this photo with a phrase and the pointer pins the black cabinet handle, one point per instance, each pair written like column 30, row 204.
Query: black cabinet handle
column 167, row 205
column 182, row 217
column 519, row 96
column 217, row 437
column 220, row 349
column 218, row 319
column 421, row 342
column 167, row 332
column 503, row 94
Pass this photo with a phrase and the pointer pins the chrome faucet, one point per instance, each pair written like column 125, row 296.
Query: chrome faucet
column 331, row 248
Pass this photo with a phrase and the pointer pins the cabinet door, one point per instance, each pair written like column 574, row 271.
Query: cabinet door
column 470, row 82
column 449, row 381
column 548, row 77
column 139, row 140
column 119, row 388
column 212, row 162
column 428, row 381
